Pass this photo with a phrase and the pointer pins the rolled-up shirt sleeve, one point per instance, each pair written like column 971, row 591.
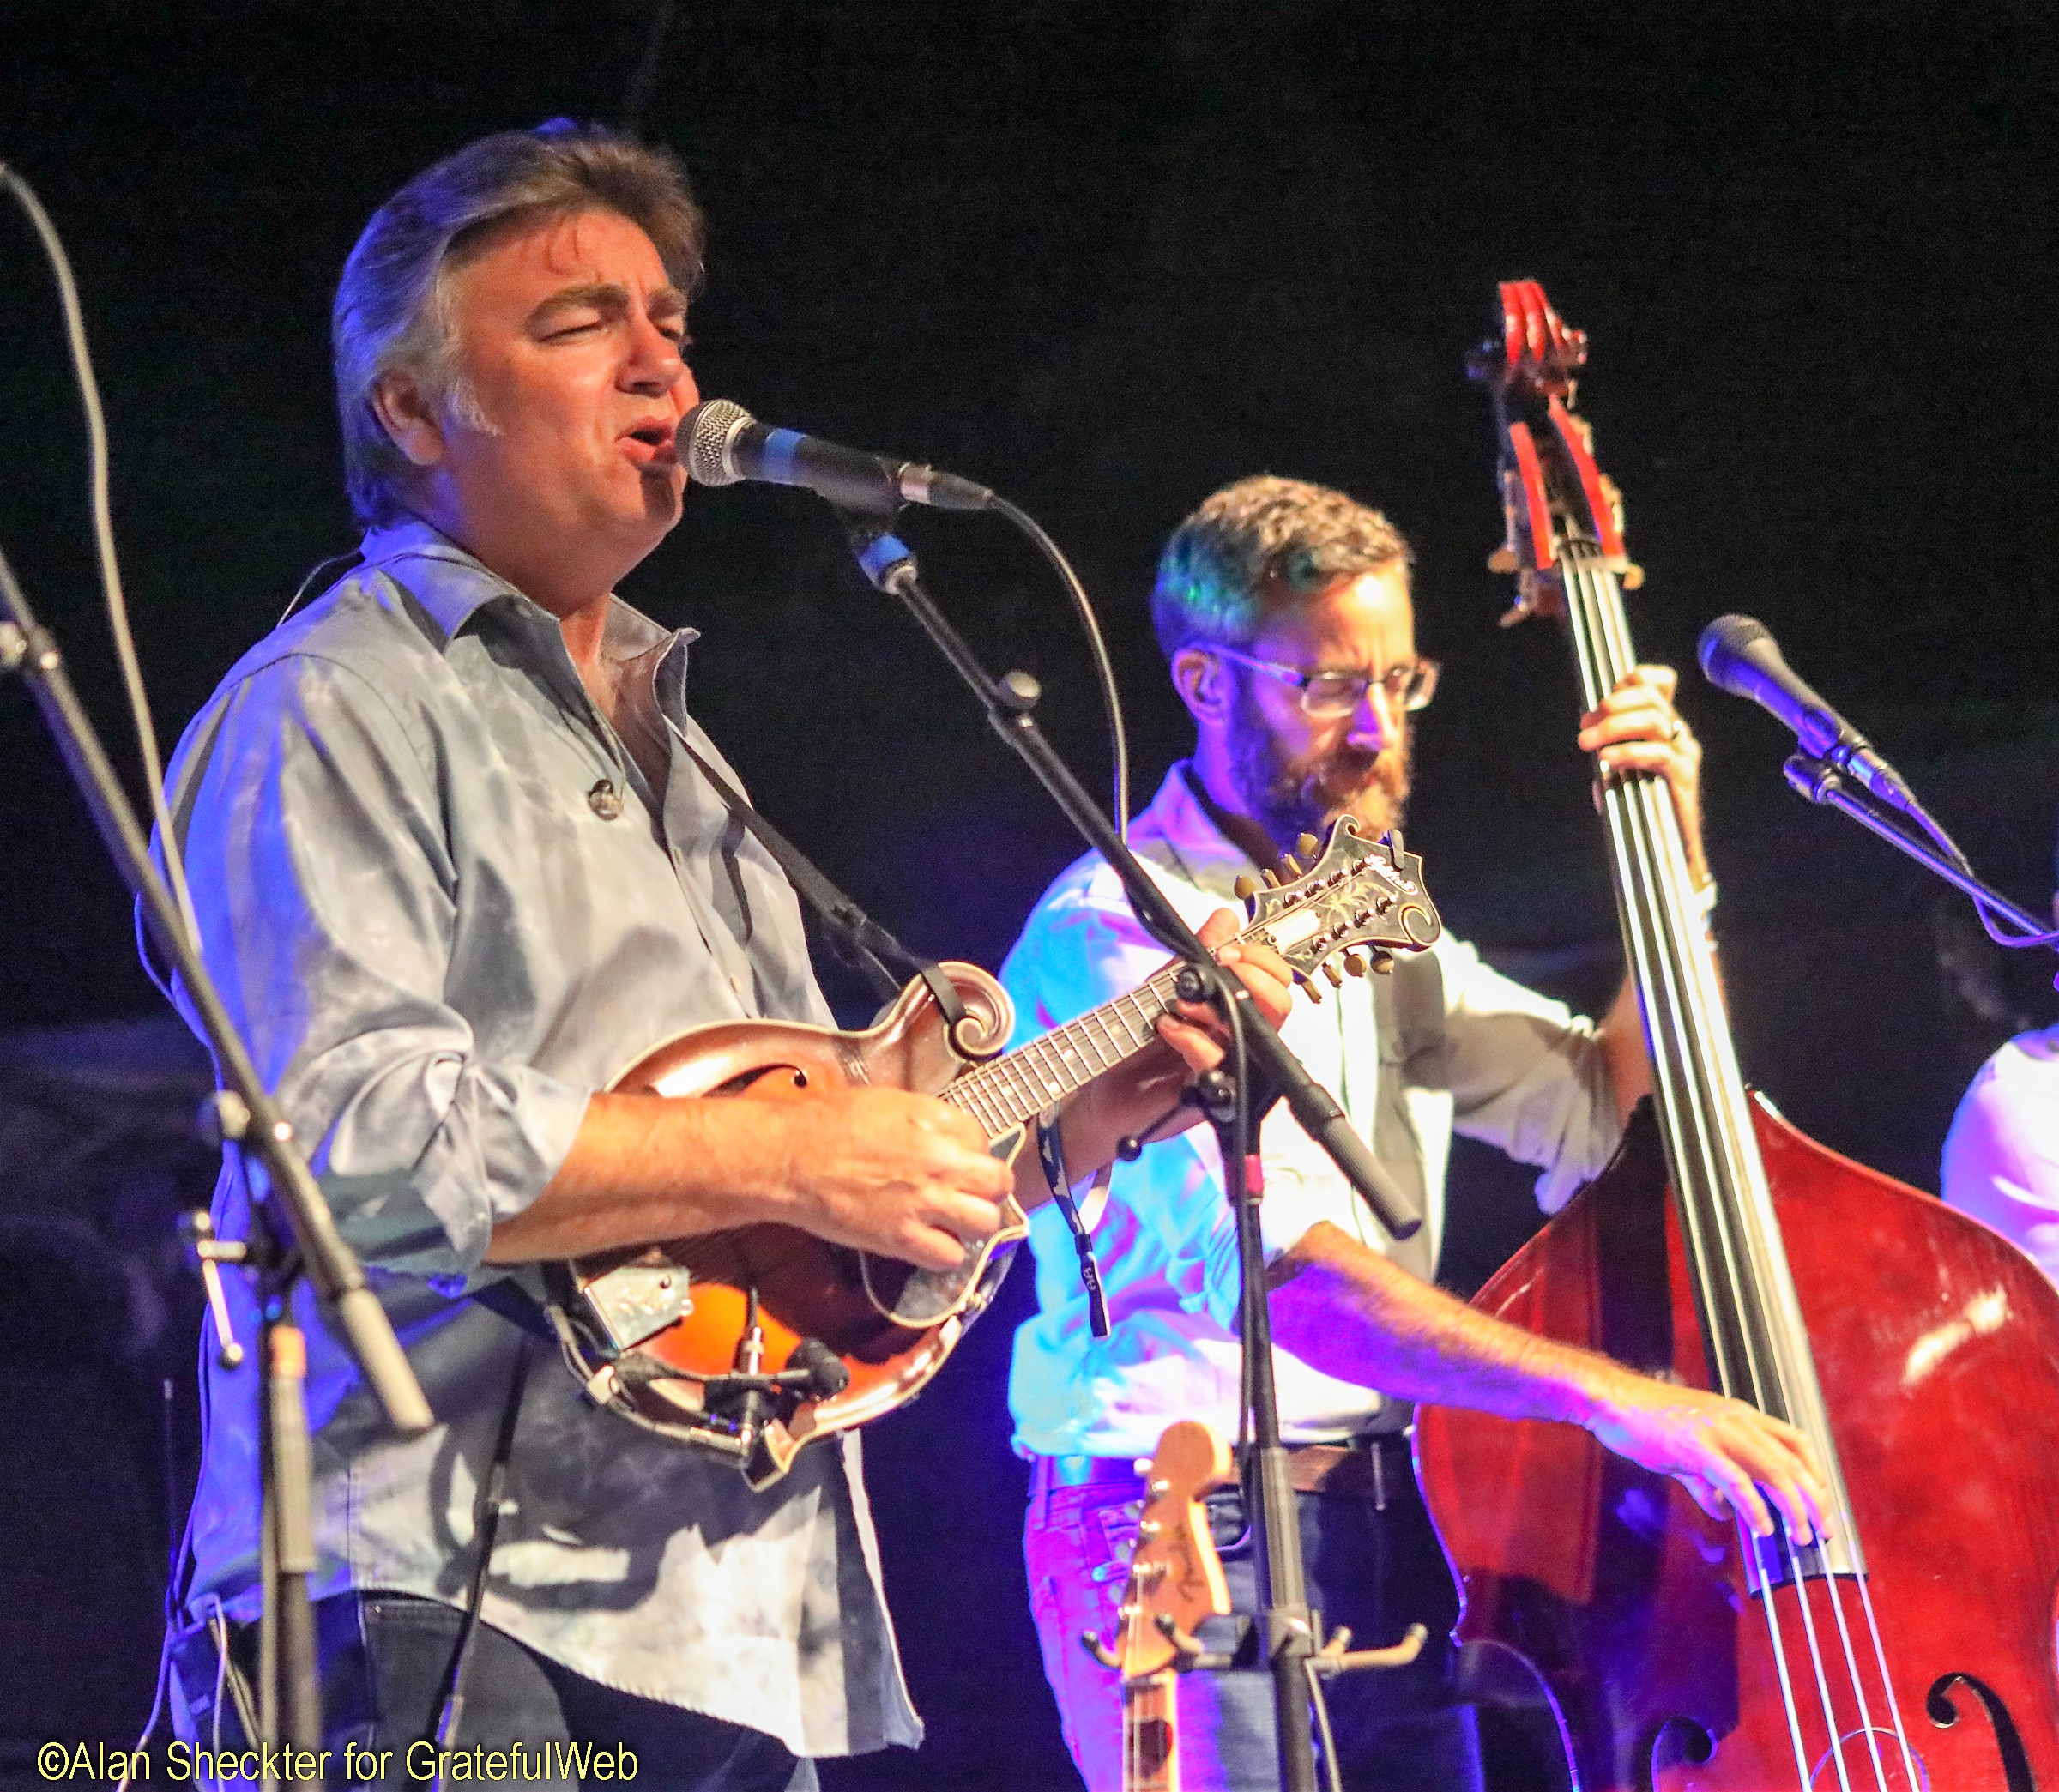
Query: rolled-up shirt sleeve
column 1526, row 1074
column 326, row 895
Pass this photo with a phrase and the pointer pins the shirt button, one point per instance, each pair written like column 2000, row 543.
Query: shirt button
column 605, row 800
column 739, row 983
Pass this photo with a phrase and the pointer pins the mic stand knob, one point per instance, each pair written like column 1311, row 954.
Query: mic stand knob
column 197, row 1228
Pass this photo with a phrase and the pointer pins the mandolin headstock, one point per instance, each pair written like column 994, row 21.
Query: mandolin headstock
column 1358, row 893
column 1551, row 492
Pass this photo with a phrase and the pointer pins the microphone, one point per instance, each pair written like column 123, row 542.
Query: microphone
column 826, row 1374
column 1741, row 656
column 723, row 444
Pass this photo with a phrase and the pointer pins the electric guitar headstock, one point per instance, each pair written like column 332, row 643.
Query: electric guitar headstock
column 1552, row 492
column 1353, row 893
column 1175, row 1581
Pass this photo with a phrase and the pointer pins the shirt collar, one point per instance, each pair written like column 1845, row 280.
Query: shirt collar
column 453, row 585
column 1212, row 861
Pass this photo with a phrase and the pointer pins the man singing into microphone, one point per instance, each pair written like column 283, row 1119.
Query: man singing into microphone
column 1284, row 610
column 455, row 865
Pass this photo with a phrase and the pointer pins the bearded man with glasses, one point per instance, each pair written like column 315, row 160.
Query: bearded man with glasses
column 1284, row 613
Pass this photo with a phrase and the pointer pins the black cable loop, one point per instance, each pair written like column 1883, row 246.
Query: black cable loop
column 1104, row 671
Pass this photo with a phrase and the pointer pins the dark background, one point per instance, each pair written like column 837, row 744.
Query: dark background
column 1103, row 259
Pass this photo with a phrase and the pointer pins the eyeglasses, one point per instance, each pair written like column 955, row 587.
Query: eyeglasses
column 1408, row 686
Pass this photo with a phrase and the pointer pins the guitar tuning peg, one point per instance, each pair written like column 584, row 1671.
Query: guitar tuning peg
column 1245, row 888
column 1289, row 867
column 1331, row 971
column 1355, row 963
column 1308, row 846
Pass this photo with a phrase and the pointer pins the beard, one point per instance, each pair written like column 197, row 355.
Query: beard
column 1291, row 796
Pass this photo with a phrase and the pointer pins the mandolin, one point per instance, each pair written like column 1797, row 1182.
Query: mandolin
column 1175, row 1581
column 753, row 1341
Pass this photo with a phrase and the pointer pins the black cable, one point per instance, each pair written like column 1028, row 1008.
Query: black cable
column 1104, row 672
column 643, row 82
column 103, row 537
column 486, row 1529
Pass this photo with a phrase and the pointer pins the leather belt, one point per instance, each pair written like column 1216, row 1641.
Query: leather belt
column 1376, row 1469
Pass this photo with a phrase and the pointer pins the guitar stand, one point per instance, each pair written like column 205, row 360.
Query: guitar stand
column 1335, row 1657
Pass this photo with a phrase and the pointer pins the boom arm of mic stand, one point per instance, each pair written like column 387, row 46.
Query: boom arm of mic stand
column 1822, row 782
column 1009, row 704
column 328, row 1262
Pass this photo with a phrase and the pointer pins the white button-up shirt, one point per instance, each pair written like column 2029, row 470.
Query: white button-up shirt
column 1444, row 1042
column 2001, row 1157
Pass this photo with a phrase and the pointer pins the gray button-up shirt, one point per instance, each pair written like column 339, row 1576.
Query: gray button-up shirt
column 437, row 948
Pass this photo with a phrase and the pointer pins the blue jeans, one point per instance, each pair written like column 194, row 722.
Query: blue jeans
column 1376, row 1571
column 383, row 1660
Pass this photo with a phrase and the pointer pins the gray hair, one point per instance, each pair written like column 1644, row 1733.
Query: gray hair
column 391, row 312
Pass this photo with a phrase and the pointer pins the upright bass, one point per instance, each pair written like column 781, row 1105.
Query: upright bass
column 1918, row 1351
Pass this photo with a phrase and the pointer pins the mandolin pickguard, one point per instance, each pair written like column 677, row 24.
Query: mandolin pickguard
column 917, row 1299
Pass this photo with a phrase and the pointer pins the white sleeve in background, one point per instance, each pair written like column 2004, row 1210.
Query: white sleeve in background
column 2001, row 1157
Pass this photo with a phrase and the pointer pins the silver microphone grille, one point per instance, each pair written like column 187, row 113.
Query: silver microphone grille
column 708, row 430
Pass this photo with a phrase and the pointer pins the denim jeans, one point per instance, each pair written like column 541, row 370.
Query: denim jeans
column 383, row 1660
column 1376, row 1571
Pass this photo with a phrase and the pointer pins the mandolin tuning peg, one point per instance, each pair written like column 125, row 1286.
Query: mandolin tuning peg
column 1272, row 881
column 1355, row 962
column 1309, row 984
column 1383, row 964
column 1308, row 846
column 1245, row 888
column 1289, row 867
column 1331, row 971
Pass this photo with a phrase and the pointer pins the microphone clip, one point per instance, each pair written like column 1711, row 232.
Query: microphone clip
column 882, row 557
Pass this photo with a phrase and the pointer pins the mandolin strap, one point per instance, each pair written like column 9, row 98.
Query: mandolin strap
column 857, row 938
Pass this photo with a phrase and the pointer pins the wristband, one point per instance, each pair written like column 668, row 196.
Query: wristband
column 1051, row 1154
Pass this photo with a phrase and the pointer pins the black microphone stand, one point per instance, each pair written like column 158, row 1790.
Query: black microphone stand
column 245, row 1114
column 1822, row 782
column 1259, row 1070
